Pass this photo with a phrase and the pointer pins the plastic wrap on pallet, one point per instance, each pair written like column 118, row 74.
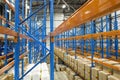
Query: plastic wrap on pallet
column 44, row 67
column 45, row 75
column 36, row 76
column 28, row 77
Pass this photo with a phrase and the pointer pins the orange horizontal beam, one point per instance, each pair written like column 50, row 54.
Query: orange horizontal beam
column 10, row 32
column 9, row 65
column 110, row 34
column 92, row 10
column 7, row 31
column 13, row 9
column 4, row 57
column 4, row 19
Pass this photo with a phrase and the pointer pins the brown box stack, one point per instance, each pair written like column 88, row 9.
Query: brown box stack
column 81, row 68
column 103, row 75
column 116, row 73
column 113, row 78
column 95, row 73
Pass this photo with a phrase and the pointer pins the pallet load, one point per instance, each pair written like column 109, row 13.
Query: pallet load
column 115, row 72
column 77, row 78
column 95, row 73
column 8, row 77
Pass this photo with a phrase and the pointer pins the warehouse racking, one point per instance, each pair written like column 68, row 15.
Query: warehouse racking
column 27, row 36
column 92, row 30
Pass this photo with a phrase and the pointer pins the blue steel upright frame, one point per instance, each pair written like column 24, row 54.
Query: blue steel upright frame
column 35, row 42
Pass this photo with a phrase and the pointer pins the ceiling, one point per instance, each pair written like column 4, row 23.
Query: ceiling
column 71, row 6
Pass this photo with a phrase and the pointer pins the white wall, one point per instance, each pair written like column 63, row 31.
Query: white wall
column 58, row 19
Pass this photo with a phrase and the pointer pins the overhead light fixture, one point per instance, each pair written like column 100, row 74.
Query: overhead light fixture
column 63, row 6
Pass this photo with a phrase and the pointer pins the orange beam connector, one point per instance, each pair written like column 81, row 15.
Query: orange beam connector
column 92, row 10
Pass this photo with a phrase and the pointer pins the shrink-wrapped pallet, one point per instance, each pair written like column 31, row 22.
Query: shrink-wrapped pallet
column 36, row 76
column 45, row 75
column 28, row 77
column 44, row 67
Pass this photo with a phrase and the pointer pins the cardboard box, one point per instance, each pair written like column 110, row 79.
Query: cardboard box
column 10, row 77
column 103, row 75
column 87, row 71
column 116, row 73
column 72, row 75
column 109, row 70
column 81, row 68
column 99, row 65
column 113, row 78
column 95, row 73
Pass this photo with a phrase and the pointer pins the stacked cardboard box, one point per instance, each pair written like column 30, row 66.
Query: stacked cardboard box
column 56, row 59
column 26, row 61
column 109, row 70
column 98, row 65
column 71, row 76
column 95, row 73
column 1, row 63
column 8, row 77
column 113, row 78
column 87, row 71
column 65, row 58
column 78, row 78
column 76, row 65
column 68, row 70
column 103, row 75
column 81, row 68
column 48, row 59
column 117, row 73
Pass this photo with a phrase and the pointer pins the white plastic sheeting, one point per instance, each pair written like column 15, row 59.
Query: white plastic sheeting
column 40, row 72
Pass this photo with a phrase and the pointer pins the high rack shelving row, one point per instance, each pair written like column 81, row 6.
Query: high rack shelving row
column 93, row 30
column 28, row 33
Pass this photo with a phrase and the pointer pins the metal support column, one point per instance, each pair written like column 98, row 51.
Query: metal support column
column 17, row 45
column 51, row 40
